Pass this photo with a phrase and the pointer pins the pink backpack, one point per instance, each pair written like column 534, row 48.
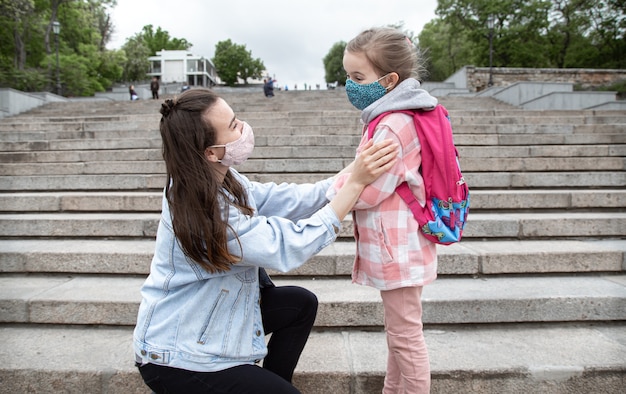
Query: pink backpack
column 443, row 217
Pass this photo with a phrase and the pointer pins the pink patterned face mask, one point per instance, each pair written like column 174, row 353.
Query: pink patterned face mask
column 238, row 151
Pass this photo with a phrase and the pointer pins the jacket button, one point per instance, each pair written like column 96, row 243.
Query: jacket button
column 258, row 333
column 155, row 356
column 143, row 352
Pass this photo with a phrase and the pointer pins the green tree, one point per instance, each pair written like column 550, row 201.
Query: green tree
column 144, row 44
column 445, row 52
column 28, row 45
column 160, row 39
column 234, row 62
column 136, row 64
column 535, row 33
column 333, row 64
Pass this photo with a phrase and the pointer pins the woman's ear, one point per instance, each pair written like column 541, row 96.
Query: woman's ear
column 391, row 80
column 211, row 155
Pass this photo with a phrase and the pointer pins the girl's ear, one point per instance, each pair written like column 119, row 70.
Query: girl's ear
column 391, row 80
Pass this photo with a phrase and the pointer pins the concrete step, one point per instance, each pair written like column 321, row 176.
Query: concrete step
column 152, row 165
column 481, row 200
column 555, row 359
column 470, row 258
column 482, row 225
column 474, row 115
column 104, row 300
column 144, row 182
column 299, row 126
column 41, row 141
column 564, row 152
column 460, row 121
column 314, row 165
column 476, row 180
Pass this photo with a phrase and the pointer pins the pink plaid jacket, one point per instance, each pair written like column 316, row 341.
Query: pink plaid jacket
column 390, row 251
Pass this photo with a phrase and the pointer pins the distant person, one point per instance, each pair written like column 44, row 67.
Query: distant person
column 208, row 302
column 268, row 87
column 185, row 87
column 133, row 94
column 154, row 87
column 392, row 255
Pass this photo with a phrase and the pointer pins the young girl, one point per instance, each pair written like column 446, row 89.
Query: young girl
column 392, row 255
column 207, row 303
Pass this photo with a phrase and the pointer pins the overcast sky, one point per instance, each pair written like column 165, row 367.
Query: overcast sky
column 291, row 37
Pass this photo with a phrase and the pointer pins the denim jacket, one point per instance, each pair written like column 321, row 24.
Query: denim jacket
column 200, row 321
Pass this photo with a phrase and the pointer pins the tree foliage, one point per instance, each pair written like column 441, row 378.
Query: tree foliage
column 28, row 45
column 535, row 33
column 160, row 39
column 145, row 44
column 333, row 64
column 233, row 62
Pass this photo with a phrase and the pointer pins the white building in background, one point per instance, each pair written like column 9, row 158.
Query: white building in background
column 182, row 66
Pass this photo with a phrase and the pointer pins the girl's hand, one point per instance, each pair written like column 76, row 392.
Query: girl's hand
column 373, row 161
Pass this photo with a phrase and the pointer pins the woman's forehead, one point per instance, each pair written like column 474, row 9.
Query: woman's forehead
column 220, row 113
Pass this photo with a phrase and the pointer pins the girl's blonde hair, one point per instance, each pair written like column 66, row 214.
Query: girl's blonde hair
column 389, row 50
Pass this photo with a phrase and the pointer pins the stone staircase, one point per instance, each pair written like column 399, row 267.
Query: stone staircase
column 533, row 300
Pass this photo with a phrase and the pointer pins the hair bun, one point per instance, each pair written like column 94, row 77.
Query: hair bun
column 167, row 107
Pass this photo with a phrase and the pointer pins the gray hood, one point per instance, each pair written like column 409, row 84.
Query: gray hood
column 407, row 95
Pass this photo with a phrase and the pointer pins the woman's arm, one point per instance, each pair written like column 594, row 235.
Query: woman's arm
column 373, row 161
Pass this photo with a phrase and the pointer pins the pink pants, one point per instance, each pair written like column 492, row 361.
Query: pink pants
column 408, row 367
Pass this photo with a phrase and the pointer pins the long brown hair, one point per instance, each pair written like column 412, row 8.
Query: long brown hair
column 194, row 190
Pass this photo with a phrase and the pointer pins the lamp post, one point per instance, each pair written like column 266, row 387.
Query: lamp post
column 56, row 28
column 490, row 26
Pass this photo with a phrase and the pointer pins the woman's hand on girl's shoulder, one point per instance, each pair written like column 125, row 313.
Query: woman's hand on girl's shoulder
column 374, row 160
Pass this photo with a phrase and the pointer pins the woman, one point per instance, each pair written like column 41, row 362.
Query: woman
column 207, row 303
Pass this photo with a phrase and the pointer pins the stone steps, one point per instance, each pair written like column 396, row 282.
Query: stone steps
column 472, row 258
column 105, row 300
column 151, row 165
column 483, row 225
column 327, row 118
column 481, row 200
column 145, row 182
column 532, row 300
column 78, row 154
column 575, row 359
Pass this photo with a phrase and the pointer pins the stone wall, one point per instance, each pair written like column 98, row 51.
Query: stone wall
column 477, row 78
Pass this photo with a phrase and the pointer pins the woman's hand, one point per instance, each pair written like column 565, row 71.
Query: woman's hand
column 373, row 161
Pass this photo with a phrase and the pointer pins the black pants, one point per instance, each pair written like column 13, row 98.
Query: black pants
column 288, row 314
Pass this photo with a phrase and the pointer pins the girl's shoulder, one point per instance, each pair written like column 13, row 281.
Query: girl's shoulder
column 397, row 123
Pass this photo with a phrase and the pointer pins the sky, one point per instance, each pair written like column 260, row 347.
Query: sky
column 291, row 37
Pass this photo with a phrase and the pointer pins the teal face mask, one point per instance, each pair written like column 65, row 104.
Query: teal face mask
column 361, row 96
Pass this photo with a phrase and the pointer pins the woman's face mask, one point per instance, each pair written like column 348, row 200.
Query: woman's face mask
column 236, row 152
column 362, row 96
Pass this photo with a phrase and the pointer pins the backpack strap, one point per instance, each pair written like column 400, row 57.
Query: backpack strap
column 407, row 195
column 403, row 189
column 371, row 126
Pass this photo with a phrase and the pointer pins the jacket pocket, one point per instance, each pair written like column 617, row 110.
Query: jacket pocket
column 385, row 243
column 212, row 317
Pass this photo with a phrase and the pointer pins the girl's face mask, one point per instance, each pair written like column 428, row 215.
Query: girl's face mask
column 362, row 96
column 236, row 152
